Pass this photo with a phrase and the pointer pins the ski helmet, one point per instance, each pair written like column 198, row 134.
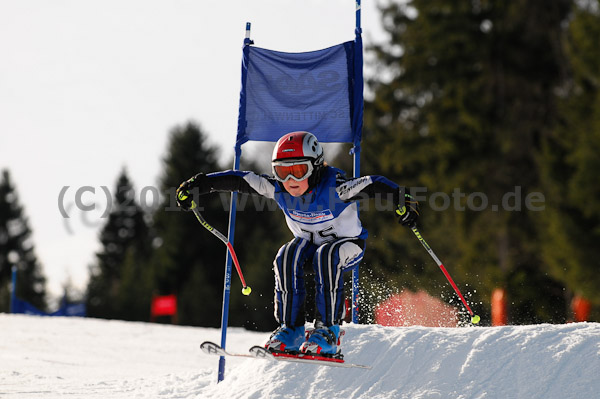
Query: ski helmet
column 297, row 155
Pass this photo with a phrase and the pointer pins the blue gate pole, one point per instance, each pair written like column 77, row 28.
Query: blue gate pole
column 13, row 292
column 232, row 210
column 356, row 150
column 358, row 14
column 355, row 272
column 227, row 282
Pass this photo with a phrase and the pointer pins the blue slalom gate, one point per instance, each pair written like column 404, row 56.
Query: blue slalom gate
column 318, row 91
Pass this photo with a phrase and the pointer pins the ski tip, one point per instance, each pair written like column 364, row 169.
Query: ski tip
column 260, row 352
column 211, row 348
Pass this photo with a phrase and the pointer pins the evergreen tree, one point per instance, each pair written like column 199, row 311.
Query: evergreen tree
column 17, row 249
column 571, row 224
column 137, row 284
column 189, row 260
column 116, row 288
column 463, row 100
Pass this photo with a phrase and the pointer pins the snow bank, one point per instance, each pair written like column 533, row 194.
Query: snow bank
column 88, row 358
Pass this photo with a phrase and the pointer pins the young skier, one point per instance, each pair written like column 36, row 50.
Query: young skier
column 320, row 207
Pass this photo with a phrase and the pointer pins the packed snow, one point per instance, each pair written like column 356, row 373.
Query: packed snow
column 52, row 357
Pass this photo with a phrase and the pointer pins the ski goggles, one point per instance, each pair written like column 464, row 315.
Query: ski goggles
column 298, row 170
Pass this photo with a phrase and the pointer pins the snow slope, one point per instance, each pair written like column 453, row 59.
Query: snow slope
column 88, row 358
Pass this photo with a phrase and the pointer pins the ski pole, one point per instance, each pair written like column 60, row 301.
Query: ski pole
column 245, row 288
column 474, row 318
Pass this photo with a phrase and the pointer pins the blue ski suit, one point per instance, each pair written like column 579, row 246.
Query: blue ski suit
column 327, row 231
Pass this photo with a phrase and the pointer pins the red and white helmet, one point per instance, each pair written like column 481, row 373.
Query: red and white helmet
column 297, row 156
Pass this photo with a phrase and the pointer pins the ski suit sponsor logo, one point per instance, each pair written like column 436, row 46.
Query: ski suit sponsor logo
column 353, row 187
column 311, row 217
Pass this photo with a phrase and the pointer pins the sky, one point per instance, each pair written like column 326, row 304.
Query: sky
column 88, row 88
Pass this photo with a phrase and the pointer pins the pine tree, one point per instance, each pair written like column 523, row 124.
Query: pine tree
column 463, row 101
column 137, row 284
column 17, row 249
column 126, row 233
column 571, row 222
column 189, row 260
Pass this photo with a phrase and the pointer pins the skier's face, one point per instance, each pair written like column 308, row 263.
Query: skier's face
column 296, row 188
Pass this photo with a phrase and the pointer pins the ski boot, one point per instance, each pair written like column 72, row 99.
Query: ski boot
column 286, row 339
column 323, row 341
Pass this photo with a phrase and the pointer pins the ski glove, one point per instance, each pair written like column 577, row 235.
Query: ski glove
column 197, row 185
column 408, row 213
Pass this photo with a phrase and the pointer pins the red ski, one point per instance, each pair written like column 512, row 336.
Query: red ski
column 258, row 352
